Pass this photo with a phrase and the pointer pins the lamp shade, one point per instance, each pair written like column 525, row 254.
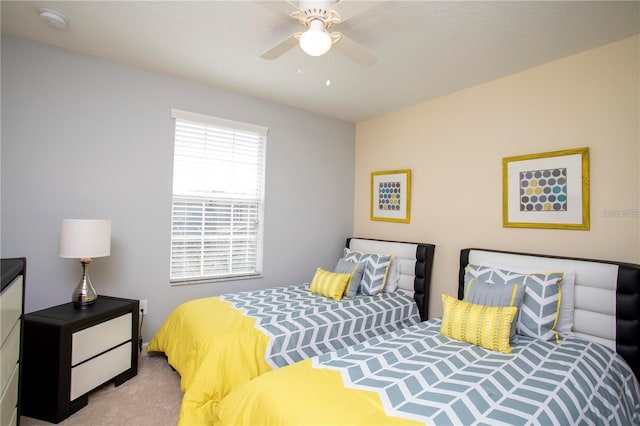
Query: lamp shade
column 80, row 238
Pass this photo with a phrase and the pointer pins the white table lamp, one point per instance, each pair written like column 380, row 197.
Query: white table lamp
column 85, row 239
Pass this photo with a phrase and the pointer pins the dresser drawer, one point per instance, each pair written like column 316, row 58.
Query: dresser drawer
column 9, row 402
column 97, row 371
column 10, row 307
column 94, row 340
column 10, row 356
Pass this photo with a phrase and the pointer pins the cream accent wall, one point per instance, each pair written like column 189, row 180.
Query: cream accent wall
column 454, row 146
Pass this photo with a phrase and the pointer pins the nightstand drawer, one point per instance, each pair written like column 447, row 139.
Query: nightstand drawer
column 97, row 371
column 11, row 307
column 10, row 356
column 99, row 338
column 8, row 405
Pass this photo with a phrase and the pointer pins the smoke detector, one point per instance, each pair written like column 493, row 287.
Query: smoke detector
column 53, row 18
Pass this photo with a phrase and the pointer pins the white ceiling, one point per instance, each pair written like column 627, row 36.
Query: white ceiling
column 425, row 49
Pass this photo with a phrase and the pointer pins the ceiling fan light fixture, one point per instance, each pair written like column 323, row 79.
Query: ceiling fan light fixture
column 315, row 41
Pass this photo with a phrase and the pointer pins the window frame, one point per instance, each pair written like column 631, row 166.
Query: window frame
column 220, row 201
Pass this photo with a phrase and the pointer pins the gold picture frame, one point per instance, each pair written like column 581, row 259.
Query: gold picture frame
column 547, row 190
column 391, row 196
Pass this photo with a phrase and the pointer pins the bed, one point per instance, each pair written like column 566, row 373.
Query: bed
column 219, row 343
column 587, row 373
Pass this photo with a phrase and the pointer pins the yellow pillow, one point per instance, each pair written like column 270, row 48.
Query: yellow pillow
column 329, row 284
column 486, row 326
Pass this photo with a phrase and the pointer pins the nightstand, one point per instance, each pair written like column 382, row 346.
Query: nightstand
column 68, row 351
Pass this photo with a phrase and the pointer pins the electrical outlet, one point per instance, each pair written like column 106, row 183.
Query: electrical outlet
column 143, row 307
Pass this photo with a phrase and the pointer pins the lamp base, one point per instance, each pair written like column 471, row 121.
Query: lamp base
column 84, row 294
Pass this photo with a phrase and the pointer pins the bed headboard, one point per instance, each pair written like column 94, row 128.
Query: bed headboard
column 606, row 296
column 416, row 262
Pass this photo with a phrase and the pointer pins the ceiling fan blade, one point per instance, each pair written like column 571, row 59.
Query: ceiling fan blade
column 280, row 48
column 354, row 51
column 347, row 9
column 282, row 8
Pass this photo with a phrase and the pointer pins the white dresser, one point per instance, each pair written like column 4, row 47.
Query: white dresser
column 11, row 309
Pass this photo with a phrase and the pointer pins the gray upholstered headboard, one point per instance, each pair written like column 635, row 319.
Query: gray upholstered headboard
column 416, row 263
column 606, row 296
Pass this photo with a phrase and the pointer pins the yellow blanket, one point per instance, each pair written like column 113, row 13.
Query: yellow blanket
column 299, row 394
column 214, row 348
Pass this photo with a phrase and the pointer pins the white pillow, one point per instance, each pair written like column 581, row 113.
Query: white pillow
column 565, row 315
column 393, row 276
column 564, row 325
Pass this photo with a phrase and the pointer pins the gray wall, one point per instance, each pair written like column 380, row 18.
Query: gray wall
column 87, row 138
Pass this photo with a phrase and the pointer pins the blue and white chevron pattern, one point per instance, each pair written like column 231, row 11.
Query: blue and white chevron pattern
column 301, row 324
column 375, row 270
column 539, row 310
column 421, row 375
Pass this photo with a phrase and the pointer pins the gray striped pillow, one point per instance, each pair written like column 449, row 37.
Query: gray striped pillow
column 483, row 293
column 356, row 269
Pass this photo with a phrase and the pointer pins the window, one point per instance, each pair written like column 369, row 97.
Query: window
column 218, row 198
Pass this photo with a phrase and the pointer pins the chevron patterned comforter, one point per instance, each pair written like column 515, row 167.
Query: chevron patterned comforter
column 219, row 343
column 417, row 376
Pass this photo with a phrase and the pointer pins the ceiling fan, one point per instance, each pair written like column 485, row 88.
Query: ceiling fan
column 318, row 17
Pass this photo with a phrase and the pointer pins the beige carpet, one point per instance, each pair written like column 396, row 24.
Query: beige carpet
column 151, row 398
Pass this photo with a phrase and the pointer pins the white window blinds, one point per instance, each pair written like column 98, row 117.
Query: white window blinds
column 218, row 198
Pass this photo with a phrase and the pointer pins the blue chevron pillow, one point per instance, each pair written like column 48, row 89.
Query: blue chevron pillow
column 376, row 267
column 538, row 314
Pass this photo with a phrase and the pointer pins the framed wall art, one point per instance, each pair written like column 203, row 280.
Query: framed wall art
column 391, row 196
column 546, row 190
